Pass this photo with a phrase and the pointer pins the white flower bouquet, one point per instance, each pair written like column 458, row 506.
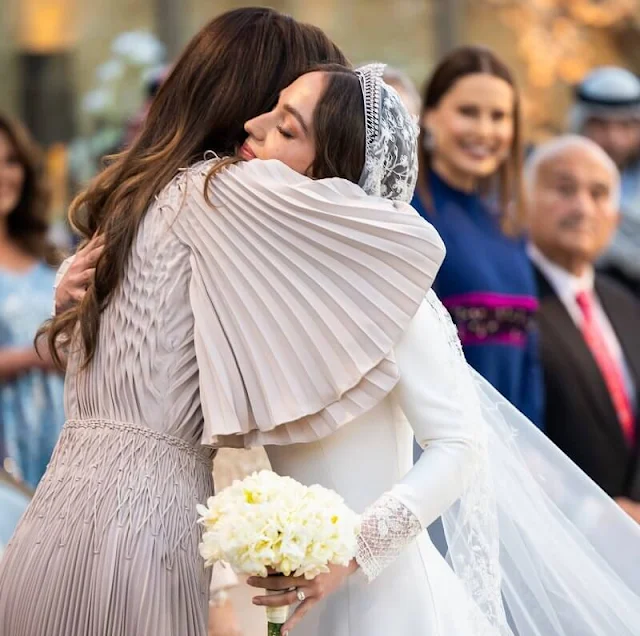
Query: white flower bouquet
column 267, row 524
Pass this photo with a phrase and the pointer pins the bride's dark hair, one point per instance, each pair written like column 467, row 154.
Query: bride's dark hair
column 339, row 126
column 231, row 71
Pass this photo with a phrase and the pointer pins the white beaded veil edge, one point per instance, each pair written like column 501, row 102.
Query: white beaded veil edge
column 391, row 153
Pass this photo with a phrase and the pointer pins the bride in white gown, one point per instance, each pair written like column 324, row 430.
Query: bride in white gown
column 369, row 460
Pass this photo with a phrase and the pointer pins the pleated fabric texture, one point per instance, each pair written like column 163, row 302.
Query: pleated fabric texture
column 269, row 316
column 302, row 288
column 109, row 545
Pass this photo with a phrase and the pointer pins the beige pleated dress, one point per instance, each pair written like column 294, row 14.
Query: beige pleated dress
column 278, row 303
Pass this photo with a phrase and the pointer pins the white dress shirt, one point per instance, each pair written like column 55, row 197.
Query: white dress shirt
column 567, row 286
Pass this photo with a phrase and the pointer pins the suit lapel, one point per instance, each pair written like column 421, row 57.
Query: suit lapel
column 568, row 339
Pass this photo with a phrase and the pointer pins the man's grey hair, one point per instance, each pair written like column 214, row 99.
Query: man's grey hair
column 551, row 149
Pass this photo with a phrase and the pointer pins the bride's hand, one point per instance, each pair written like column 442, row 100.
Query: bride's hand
column 315, row 590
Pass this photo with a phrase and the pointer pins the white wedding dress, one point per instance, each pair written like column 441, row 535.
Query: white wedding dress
column 308, row 343
column 417, row 593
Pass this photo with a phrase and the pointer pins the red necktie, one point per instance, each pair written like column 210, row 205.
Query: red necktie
column 609, row 368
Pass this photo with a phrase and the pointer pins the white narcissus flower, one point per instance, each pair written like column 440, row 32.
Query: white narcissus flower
column 209, row 550
column 267, row 521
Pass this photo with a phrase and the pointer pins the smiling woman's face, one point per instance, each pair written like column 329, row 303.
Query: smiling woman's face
column 472, row 127
column 286, row 133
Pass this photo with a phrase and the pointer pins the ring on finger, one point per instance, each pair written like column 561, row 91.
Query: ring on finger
column 300, row 595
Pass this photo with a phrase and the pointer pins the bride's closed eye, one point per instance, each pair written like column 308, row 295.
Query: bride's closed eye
column 285, row 133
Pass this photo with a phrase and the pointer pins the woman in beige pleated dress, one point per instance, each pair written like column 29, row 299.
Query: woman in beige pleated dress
column 108, row 546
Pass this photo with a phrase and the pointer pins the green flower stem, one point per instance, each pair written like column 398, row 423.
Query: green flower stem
column 274, row 629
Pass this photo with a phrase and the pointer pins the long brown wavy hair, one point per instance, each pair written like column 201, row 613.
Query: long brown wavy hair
column 28, row 224
column 468, row 60
column 230, row 72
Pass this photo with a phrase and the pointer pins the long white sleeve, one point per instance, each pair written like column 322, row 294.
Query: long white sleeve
column 436, row 394
column 300, row 290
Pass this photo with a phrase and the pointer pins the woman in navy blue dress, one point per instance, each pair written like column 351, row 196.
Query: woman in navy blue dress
column 469, row 188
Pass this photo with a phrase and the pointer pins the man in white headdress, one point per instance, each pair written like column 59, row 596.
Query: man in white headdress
column 607, row 110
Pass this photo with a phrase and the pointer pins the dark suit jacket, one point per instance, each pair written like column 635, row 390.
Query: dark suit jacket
column 579, row 414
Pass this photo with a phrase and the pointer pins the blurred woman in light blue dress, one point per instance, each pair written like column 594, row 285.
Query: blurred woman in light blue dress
column 31, row 391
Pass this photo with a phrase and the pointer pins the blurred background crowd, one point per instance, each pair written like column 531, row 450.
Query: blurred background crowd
column 529, row 168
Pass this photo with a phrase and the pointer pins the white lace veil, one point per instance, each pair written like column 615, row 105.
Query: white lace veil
column 569, row 556
column 540, row 548
column 391, row 156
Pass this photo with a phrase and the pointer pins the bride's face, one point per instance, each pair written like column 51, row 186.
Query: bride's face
column 286, row 133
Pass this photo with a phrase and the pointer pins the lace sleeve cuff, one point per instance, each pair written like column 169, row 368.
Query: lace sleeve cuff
column 387, row 527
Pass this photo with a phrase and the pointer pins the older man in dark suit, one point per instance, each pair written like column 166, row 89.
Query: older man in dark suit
column 589, row 325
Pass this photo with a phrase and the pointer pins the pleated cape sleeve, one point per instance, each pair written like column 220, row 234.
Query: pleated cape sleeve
column 300, row 289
